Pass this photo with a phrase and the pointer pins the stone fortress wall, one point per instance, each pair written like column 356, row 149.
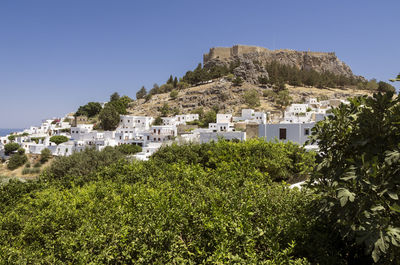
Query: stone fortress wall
column 239, row 50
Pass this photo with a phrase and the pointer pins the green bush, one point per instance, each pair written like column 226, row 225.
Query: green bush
column 238, row 81
column 11, row 147
column 91, row 109
column 37, row 164
column 252, row 98
column 358, row 174
column 16, row 160
column 21, row 151
column 129, row 149
column 45, row 155
column 213, row 203
column 174, row 94
column 26, row 171
column 279, row 161
column 81, row 166
column 184, row 215
column 58, row 139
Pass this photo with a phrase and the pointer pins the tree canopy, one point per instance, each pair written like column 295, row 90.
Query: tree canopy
column 58, row 139
column 358, row 173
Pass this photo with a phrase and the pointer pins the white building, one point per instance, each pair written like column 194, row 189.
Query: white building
column 295, row 132
column 182, row 119
column 221, row 127
column 251, row 116
column 138, row 122
column 161, row 133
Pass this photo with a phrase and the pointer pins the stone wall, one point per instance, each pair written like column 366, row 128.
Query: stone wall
column 253, row 58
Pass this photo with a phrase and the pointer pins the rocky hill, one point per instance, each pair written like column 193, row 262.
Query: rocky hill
column 249, row 64
column 228, row 98
column 251, row 60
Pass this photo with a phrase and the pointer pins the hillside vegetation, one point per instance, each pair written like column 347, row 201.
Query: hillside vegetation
column 223, row 202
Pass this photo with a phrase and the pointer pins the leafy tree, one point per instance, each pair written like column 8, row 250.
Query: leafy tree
column 45, row 155
column 252, row 98
column 385, row 87
column 109, row 117
column 128, row 149
column 80, row 167
column 148, row 97
column 155, row 89
column 209, row 117
column 283, row 99
column 58, row 139
column 157, row 121
column 182, row 85
column 11, row 147
column 173, row 94
column 165, row 110
column 11, row 137
column 119, row 106
column 372, row 85
column 91, row 109
column 16, row 160
column 21, row 151
column 175, row 111
column 238, row 81
column 358, row 171
column 141, row 93
column 125, row 100
column 199, row 111
column 114, row 97
column 166, row 88
column 170, row 80
column 37, row 139
column 219, row 207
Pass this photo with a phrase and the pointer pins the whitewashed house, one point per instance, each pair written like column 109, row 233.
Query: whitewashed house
column 161, row 133
column 172, row 121
column 139, row 122
column 294, row 132
column 251, row 116
column 182, row 119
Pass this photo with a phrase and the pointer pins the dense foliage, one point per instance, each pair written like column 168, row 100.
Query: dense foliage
column 128, row 149
column 252, row 98
column 16, row 160
column 10, row 148
column 45, row 155
column 109, row 115
column 358, row 173
column 205, row 118
column 277, row 161
column 91, row 109
column 201, row 74
column 213, row 203
column 58, row 139
column 141, row 93
column 81, row 167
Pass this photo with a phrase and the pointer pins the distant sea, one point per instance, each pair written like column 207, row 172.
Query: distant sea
column 4, row 132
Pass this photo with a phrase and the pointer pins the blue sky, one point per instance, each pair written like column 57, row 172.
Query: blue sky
column 58, row 55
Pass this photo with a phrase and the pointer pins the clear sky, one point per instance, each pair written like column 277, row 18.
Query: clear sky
column 56, row 55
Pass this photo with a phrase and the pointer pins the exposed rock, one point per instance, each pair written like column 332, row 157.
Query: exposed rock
column 252, row 59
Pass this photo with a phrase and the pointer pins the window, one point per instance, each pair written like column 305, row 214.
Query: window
column 306, row 131
column 282, row 133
